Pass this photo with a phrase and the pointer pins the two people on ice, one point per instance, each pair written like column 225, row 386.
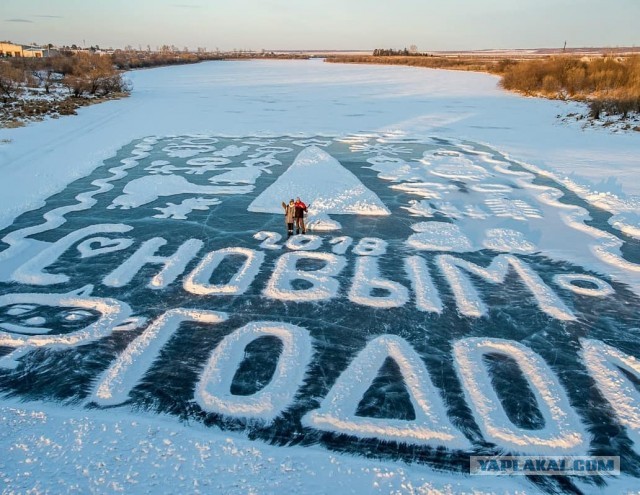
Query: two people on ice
column 294, row 213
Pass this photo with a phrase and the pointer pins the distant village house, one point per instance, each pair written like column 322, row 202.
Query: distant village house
column 12, row 50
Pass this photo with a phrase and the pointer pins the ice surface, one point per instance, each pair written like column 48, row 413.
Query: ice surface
column 507, row 249
column 447, row 264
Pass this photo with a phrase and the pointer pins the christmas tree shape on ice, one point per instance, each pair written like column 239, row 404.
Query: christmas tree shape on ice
column 323, row 183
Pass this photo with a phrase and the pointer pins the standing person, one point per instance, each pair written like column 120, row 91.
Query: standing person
column 289, row 211
column 301, row 208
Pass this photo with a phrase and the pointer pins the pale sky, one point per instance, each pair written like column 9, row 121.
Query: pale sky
column 324, row 24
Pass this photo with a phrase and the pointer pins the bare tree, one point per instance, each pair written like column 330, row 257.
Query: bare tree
column 46, row 76
column 93, row 74
column 11, row 80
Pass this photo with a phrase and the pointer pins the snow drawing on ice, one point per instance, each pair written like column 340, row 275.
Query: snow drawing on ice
column 438, row 236
column 148, row 189
column 562, row 432
column 508, row 240
column 326, row 186
column 338, row 410
column 182, row 210
column 88, row 319
column 445, row 312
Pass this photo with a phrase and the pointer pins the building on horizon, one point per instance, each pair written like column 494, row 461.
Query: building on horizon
column 8, row 49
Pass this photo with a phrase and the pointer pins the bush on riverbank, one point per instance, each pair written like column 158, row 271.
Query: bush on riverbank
column 131, row 59
column 11, row 81
column 94, row 75
column 478, row 63
column 80, row 73
column 31, row 89
column 607, row 84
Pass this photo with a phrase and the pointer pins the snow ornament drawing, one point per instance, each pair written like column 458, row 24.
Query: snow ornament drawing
column 446, row 299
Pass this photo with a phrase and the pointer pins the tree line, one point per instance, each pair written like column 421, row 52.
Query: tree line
column 607, row 84
column 81, row 73
column 412, row 51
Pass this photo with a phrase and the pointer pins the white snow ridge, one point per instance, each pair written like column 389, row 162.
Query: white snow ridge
column 322, row 182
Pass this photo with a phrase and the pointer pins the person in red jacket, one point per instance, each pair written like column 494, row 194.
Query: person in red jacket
column 300, row 209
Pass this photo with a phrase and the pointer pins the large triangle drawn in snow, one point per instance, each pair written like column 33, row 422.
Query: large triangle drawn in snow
column 322, row 182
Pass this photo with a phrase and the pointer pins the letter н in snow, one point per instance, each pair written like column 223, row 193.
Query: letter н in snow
column 173, row 265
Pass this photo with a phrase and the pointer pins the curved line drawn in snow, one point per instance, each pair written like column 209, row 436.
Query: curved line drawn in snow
column 32, row 271
column 105, row 245
column 112, row 313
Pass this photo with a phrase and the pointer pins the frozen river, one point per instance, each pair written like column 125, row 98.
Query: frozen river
column 454, row 296
column 282, row 97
